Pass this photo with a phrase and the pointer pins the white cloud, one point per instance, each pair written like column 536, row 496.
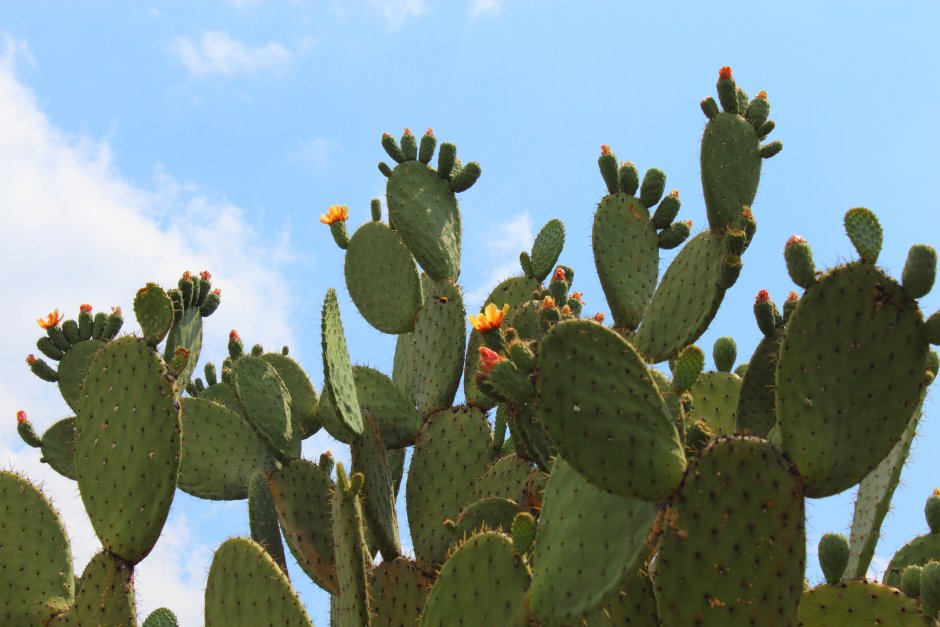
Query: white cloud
column 513, row 237
column 313, row 152
column 217, row 54
column 74, row 231
column 395, row 12
column 481, row 7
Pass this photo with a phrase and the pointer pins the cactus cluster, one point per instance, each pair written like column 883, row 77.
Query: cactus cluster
column 575, row 484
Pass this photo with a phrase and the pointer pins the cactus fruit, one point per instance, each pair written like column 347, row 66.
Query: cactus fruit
column 833, row 556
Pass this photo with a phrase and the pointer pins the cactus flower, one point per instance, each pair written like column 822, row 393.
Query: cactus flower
column 336, row 213
column 407, row 131
column 724, row 73
column 30, row 359
column 21, row 417
column 233, row 336
column 605, row 149
column 187, row 275
column 85, row 308
column 217, row 292
column 429, row 132
column 795, row 239
column 548, row 302
column 116, row 311
column 763, row 296
column 51, row 320
column 205, row 275
column 792, row 297
column 599, row 317
column 490, row 319
column 577, row 296
column 762, row 95
column 489, row 358
column 559, row 274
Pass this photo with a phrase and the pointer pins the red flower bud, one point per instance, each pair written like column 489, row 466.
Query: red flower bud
column 559, row 274
column 21, row 417
column 205, row 275
column 795, row 239
column 724, row 73
column 30, row 359
column 793, row 297
column 233, row 336
column 605, row 149
column 488, row 359
column 763, row 296
column 85, row 308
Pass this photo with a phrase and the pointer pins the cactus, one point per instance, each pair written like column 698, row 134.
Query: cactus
column 598, row 492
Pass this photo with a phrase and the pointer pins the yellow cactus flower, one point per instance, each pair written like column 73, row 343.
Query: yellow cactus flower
column 490, row 319
column 336, row 213
column 51, row 320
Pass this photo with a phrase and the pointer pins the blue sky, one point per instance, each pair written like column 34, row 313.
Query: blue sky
column 139, row 140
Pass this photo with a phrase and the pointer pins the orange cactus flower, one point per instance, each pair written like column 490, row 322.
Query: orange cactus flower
column 336, row 213
column 85, row 308
column 763, row 296
column 21, row 417
column 559, row 274
column 577, row 296
column 187, row 275
column 116, row 311
column 490, row 319
column 217, row 292
column 30, row 359
column 724, row 73
column 51, row 320
column 233, row 336
column 599, row 317
column 762, row 95
column 566, row 310
column 205, row 275
column 548, row 302
column 793, row 297
column 488, row 359
column 605, row 149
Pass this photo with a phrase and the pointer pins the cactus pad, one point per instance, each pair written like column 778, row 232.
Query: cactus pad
column 731, row 164
column 506, row 478
column 58, row 447
column 105, row 595
column 72, row 370
column 127, row 447
column 303, row 396
column 247, row 587
column 490, row 513
column 633, row 606
column 340, row 383
column 686, row 300
column 451, row 452
column 378, row 499
column 845, row 394
column 733, row 544
column 267, row 406
column 352, row 554
column 581, row 560
column 852, row 603
column 398, row 590
column 466, row 594
column 395, row 415
column 424, row 211
column 154, row 312
column 603, row 412
column 626, row 253
column 382, row 278
column 220, row 452
column 36, row 580
column 302, row 497
column 756, row 412
column 715, row 398
column 920, row 550
column 547, row 248
column 439, row 341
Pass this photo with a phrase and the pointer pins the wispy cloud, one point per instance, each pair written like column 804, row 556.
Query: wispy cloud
column 395, row 12
column 503, row 250
column 313, row 152
column 483, row 7
column 76, row 231
column 217, row 54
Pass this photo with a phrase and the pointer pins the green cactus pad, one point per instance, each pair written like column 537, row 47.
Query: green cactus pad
column 756, row 413
column 488, row 514
column 352, row 554
column 715, row 398
column 513, row 291
column 72, row 370
column 466, row 594
column 398, row 590
column 452, row 450
column 302, row 497
column 439, row 341
column 633, row 606
column 223, row 394
column 626, row 253
column 547, row 248
column 247, row 587
column 864, row 230
column 424, row 212
column 185, row 333
column 382, row 278
column 161, row 617
column 731, row 163
column 581, row 559
column 303, row 396
column 856, row 603
column 378, row 499
column 529, row 435
column 105, row 595
column 220, row 452
column 340, row 384
column 874, row 500
column 861, row 339
column 403, row 369
column 833, row 553
column 395, row 415
column 262, row 519
column 36, row 580
column 506, row 478
column 154, row 312
column 267, row 406
column 58, row 447
column 686, row 300
column 733, row 545
column 601, row 409
column 127, row 447
column 920, row 550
